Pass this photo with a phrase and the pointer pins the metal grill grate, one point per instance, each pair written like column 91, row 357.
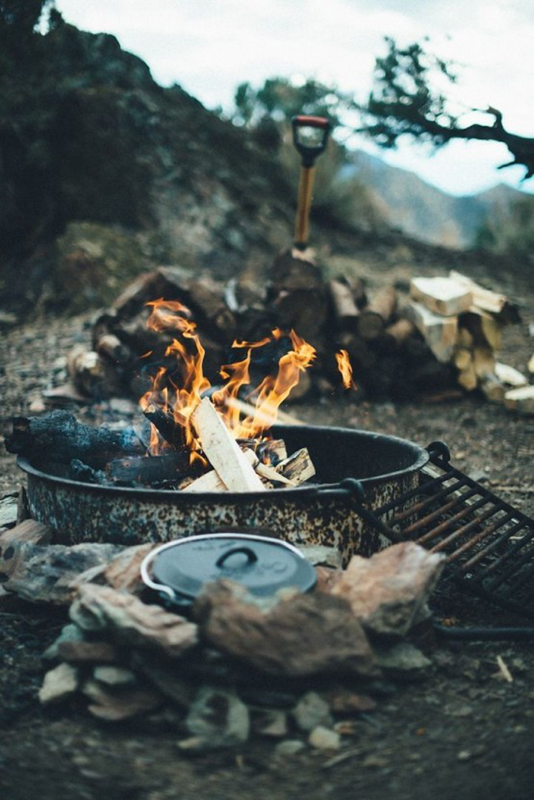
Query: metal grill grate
column 489, row 544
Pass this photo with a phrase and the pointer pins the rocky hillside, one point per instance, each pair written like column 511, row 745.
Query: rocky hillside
column 421, row 210
column 106, row 173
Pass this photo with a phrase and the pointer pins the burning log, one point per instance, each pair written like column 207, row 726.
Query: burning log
column 222, row 450
column 149, row 471
column 164, row 422
column 60, row 435
column 298, row 467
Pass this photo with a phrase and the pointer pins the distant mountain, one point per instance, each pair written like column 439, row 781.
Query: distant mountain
column 423, row 211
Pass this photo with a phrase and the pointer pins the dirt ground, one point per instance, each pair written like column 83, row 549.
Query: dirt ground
column 462, row 732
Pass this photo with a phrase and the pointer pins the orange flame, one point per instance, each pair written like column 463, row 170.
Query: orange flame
column 181, row 401
column 345, row 367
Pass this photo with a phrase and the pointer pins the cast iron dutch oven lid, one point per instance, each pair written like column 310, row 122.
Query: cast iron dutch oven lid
column 180, row 569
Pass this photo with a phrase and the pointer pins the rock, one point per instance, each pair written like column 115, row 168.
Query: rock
column 388, row 591
column 44, row 574
column 119, row 705
column 318, row 554
column 30, row 531
column 70, row 633
column 322, row 738
column 124, row 571
column 345, row 702
column 218, row 718
column 59, row 684
column 132, row 622
column 271, row 723
column 402, row 660
column 82, row 652
column 290, row 747
column 8, row 510
column 164, row 678
column 311, row 711
column 304, row 634
column 327, row 578
column 114, row 676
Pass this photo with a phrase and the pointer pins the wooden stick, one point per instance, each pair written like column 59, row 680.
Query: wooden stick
column 222, row 450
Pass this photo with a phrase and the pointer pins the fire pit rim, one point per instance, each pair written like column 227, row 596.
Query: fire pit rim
column 421, row 457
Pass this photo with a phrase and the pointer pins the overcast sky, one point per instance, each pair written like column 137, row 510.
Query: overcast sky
column 209, row 46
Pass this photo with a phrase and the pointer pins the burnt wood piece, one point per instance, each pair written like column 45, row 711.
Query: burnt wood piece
column 149, row 471
column 61, row 436
column 87, row 474
column 164, row 422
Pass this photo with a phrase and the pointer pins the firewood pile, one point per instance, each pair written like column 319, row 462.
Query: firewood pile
column 388, row 355
column 463, row 324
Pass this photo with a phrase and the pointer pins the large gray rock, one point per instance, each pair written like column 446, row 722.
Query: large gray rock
column 291, row 634
column 388, row 592
column 132, row 622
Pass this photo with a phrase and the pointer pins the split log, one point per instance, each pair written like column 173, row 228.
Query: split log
column 510, row 376
column 487, row 300
column 483, row 361
column 492, row 389
column 272, row 451
column 520, row 400
column 375, row 317
column 467, row 378
column 298, row 467
column 222, row 450
column 439, row 332
column 344, row 306
column 485, row 330
column 444, row 296
column 212, row 482
column 462, row 358
column 60, row 437
column 399, row 332
column 150, row 471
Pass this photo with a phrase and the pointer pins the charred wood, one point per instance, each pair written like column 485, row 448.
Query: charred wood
column 60, row 435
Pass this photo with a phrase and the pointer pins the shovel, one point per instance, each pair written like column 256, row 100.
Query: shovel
column 310, row 135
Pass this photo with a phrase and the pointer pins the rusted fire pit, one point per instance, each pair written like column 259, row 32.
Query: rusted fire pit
column 328, row 512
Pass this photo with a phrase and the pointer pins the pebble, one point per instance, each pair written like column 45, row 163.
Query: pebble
column 322, row 738
column 113, row 676
column 289, row 747
column 59, row 684
column 311, row 711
